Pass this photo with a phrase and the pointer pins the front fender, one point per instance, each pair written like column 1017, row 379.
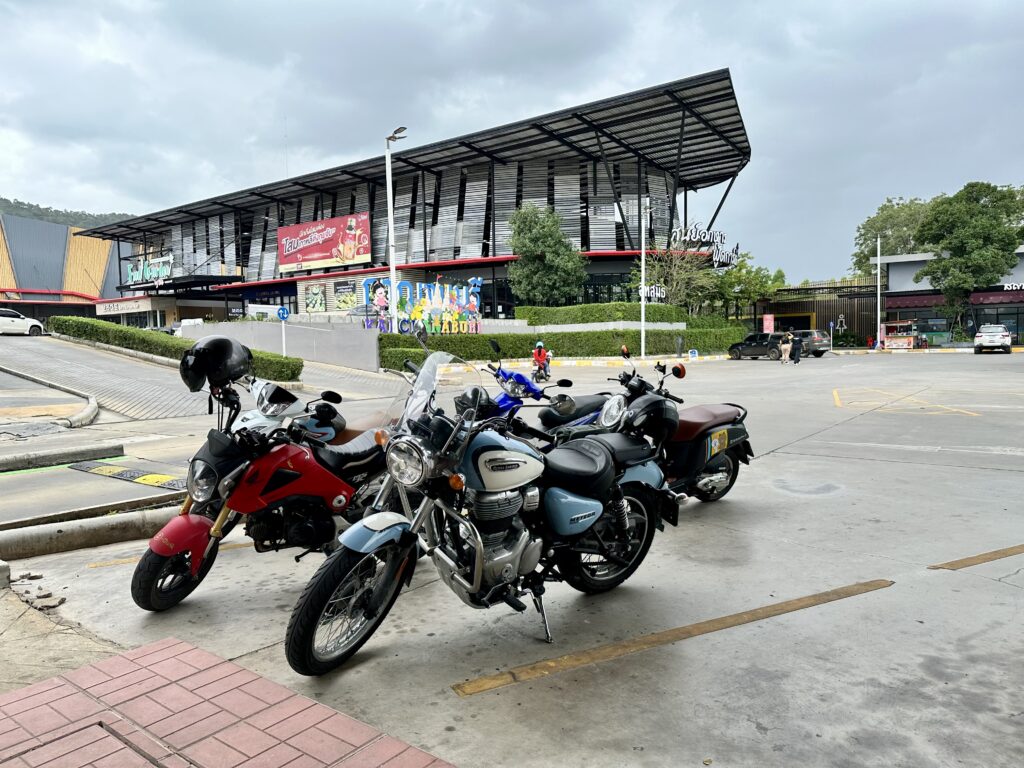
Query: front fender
column 183, row 533
column 374, row 531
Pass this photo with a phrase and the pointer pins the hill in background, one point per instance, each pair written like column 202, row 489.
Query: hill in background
column 57, row 216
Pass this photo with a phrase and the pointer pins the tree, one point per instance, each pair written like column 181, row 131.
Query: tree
column 550, row 270
column 897, row 221
column 743, row 284
column 68, row 218
column 976, row 232
column 687, row 279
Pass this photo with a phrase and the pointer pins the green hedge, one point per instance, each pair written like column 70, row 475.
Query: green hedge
column 267, row 364
column 569, row 344
column 395, row 357
column 615, row 311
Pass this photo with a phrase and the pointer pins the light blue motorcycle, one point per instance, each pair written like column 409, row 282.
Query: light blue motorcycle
column 499, row 519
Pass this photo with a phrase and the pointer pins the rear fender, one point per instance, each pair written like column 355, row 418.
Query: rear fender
column 184, row 533
column 648, row 473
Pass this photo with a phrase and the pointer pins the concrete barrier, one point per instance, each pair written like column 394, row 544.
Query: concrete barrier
column 81, row 534
column 48, row 458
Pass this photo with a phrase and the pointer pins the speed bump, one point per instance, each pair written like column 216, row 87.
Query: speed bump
column 140, row 476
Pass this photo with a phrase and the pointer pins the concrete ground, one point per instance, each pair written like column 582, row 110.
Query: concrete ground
column 28, row 410
column 869, row 468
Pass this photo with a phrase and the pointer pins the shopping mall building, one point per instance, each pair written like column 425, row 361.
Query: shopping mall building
column 317, row 243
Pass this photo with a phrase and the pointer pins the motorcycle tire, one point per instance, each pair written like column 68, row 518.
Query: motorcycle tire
column 148, row 592
column 710, row 496
column 318, row 597
column 579, row 575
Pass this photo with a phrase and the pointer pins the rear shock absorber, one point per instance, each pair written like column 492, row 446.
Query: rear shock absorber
column 620, row 508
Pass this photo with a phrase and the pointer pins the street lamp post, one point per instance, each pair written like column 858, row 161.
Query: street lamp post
column 878, row 294
column 396, row 135
column 643, row 279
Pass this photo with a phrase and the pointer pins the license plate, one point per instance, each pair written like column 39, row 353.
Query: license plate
column 718, row 442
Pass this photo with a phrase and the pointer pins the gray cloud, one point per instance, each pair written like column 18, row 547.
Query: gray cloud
column 139, row 105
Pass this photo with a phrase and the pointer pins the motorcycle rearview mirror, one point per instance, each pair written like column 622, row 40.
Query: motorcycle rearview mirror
column 563, row 383
column 679, row 371
column 330, row 396
column 563, row 405
column 419, row 331
column 495, row 346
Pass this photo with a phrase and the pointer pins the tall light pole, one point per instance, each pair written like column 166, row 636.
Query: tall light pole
column 396, row 135
column 878, row 294
column 643, row 279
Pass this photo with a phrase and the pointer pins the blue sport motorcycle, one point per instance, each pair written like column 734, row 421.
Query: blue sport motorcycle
column 499, row 519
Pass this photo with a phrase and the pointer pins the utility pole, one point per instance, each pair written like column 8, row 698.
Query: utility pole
column 396, row 135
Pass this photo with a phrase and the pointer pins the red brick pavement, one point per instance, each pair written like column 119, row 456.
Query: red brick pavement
column 172, row 705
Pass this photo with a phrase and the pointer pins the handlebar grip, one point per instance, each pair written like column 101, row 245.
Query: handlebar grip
column 673, row 398
column 411, row 366
column 491, row 366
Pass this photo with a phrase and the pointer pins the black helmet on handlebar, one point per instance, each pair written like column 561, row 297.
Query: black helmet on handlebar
column 214, row 359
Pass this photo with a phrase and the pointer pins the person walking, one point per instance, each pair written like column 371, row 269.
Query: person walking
column 798, row 346
column 786, row 345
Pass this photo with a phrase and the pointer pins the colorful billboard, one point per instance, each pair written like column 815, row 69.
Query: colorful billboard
column 324, row 244
column 442, row 308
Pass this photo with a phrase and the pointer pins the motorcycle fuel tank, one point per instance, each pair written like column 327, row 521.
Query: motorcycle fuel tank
column 496, row 463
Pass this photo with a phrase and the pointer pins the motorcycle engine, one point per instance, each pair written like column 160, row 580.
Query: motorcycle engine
column 293, row 526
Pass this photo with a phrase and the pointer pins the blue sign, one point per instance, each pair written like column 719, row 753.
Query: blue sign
column 693, row 354
column 283, row 313
column 831, row 325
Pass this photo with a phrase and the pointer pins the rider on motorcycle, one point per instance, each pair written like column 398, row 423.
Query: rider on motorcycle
column 542, row 358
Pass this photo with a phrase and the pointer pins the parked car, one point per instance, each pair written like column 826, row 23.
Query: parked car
column 815, row 342
column 757, row 345
column 992, row 337
column 12, row 322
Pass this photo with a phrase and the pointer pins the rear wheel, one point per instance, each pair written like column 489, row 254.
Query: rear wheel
column 717, row 479
column 162, row 581
column 818, row 354
column 594, row 573
column 977, row 350
column 329, row 622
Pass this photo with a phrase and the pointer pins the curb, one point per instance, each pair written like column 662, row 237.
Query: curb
column 82, row 534
column 54, row 456
column 5, row 574
column 85, row 416
column 99, row 510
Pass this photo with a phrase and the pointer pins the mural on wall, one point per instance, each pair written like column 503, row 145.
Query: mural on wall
column 443, row 308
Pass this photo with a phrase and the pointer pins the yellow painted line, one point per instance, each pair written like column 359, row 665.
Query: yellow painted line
column 154, row 479
column 984, row 557
column 835, row 398
column 132, row 560
column 646, row 642
column 106, row 471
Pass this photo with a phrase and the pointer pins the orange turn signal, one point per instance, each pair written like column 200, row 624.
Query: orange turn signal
column 457, row 482
column 381, row 437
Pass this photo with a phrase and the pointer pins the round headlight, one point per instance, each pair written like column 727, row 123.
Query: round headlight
column 612, row 412
column 202, row 480
column 514, row 388
column 406, row 462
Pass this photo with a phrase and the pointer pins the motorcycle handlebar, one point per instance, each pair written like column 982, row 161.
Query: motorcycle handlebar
column 673, row 398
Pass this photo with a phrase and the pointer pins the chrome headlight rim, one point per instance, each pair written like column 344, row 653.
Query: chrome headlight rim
column 202, row 480
column 514, row 388
column 612, row 412
column 408, row 461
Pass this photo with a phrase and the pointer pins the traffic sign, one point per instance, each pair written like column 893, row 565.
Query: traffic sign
column 283, row 313
column 831, row 325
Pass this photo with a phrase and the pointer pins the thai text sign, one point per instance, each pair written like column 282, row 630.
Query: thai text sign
column 441, row 307
column 710, row 239
column 335, row 242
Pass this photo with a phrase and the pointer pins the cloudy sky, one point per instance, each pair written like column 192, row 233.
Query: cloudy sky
column 138, row 105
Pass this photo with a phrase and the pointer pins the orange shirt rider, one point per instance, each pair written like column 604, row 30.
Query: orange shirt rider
column 540, row 357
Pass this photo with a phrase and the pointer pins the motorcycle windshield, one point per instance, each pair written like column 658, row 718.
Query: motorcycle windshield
column 442, row 379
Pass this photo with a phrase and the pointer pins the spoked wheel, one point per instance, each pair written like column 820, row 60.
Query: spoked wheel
column 331, row 620
column 716, row 481
column 593, row 571
column 161, row 581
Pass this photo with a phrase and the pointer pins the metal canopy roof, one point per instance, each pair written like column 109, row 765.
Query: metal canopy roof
column 644, row 125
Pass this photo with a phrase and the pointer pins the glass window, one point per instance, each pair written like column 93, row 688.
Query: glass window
column 8, row 313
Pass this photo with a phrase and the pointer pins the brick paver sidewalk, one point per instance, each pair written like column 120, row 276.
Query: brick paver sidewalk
column 172, row 705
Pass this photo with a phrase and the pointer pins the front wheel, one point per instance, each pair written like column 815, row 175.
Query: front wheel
column 35, row 330
column 162, row 581
column 594, row 573
column 332, row 620
column 717, row 480
column 774, row 354
column 734, row 354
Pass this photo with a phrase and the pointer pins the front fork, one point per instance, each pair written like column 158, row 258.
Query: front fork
column 217, row 531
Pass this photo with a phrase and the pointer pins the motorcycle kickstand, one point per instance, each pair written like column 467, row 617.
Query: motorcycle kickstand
column 538, row 602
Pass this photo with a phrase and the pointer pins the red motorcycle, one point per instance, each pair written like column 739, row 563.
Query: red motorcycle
column 287, row 488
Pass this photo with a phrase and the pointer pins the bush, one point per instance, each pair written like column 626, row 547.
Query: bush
column 570, row 344
column 616, row 311
column 395, row 357
column 267, row 364
column 849, row 339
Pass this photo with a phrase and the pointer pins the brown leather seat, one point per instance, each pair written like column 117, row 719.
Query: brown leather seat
column 694, row 420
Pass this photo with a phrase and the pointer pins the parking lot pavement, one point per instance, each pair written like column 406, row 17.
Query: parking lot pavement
column 920, row 672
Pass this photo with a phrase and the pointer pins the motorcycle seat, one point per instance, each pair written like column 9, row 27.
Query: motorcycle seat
column 627, row 450
column 698, row 418
column 585, row 404
column 351, row 457
column 581, row 466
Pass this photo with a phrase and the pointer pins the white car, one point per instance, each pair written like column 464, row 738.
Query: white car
column 992, row 337
column 12, row 322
